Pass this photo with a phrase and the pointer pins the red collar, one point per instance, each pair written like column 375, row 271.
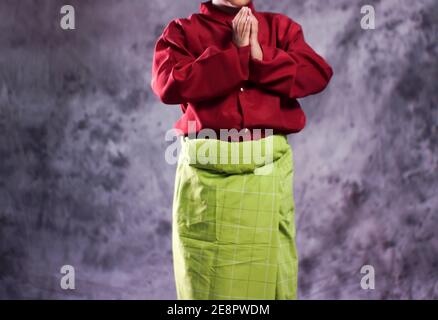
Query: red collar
column 209, row 9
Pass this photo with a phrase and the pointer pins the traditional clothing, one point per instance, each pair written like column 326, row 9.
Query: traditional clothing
column 233, row 223
column 220, row 86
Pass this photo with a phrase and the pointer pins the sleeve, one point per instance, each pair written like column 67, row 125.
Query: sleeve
column 294, row 69
column 179, row 77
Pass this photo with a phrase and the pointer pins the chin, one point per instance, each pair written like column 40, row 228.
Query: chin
column 239, row 3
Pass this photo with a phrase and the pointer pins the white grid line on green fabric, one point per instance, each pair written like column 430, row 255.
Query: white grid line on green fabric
column 252, row 247
column 278, row 257
column 205, row 235
column 266, row 263
column 282, row 244
column 244, row 211
column 271, row 233
column 233, row 208
column 235, row 191
column 238, row 279
column 231, row 260
column 230, row 226
column 286, row 242
column 221, row 224
column 247, row 192
column 225, row 297
column 237, row 233
column 216, row 258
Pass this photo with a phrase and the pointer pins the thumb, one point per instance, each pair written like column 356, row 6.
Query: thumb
column 254, row 26
column 247, row 29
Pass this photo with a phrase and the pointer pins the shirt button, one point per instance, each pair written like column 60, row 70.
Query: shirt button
column 241, row 89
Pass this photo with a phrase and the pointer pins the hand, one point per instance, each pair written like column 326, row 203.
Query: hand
column 256, row 49
column 241, row 27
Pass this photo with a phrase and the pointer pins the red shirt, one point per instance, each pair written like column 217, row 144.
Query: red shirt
column 219, row 85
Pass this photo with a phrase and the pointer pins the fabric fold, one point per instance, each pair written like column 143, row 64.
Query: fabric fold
column 233, row 157
column 234, row 223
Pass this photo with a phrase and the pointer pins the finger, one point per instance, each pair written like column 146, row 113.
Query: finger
column 252, row 16
column 247, row 29
column 254, row 24
column 248, row 19
column 243, row 15
column 254, row 21
column 238, row 15
column 244, row 19
column 241, row 21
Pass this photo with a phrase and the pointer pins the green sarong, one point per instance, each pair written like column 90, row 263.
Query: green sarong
column 234, row 223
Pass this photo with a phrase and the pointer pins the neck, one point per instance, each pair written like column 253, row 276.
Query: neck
column 225, row 6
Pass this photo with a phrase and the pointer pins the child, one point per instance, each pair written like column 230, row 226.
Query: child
column 231, row 67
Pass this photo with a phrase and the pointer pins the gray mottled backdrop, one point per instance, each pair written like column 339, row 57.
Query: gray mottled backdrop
column 82, row 174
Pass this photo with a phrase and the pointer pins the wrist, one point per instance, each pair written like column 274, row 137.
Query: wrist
column 254, row 41
column 256, row 51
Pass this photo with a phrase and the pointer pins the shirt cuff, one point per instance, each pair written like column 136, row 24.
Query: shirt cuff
column 257, row 67
column 244, row 54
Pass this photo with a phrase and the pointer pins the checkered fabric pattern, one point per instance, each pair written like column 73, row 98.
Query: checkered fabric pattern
column 233, row 224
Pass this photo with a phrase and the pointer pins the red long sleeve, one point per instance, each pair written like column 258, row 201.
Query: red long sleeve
column 220, row 86
column 293, row 68
column 179, row 77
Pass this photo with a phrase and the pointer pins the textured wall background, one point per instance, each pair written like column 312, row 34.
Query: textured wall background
column 82, row 176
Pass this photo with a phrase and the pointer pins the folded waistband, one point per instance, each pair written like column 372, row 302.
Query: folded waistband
column 233, row 157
